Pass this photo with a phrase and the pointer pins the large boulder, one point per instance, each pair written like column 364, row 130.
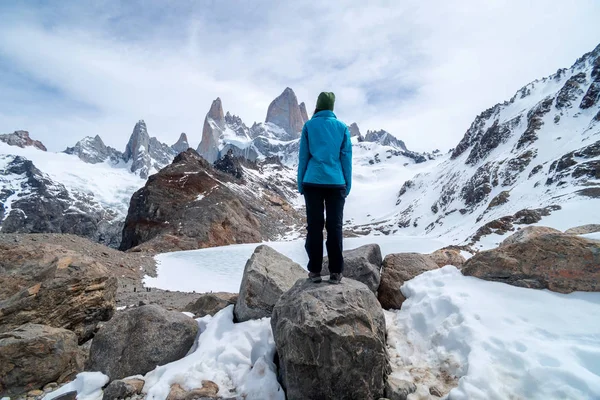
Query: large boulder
column 267, row 275
column 583, row 229
column 528, row 233
column 137, row 340
column 362, row 264
column 211, row 303
column 443, row 257
column 331, row 341
column 558, row 262
column 397, row 269
column 53, row 286
column 33, row 355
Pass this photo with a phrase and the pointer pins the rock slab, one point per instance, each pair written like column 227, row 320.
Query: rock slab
column 443, row 257
column 397, row 269
column 211, row 303
column 331, row 341
column 33, row 355
column 362, row 264
column 527, row 233
column 267, row 275
column 135, row 341
column 558, row 262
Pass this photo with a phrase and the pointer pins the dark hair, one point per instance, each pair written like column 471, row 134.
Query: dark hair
column 317, row 110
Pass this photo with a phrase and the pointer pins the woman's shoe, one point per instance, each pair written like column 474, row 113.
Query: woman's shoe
column 314, row 277
column 335, row 278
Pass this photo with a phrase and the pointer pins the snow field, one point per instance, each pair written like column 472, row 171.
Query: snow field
column 88, row 386
column 497, row 341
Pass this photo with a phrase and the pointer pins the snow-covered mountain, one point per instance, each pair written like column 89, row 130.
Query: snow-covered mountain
column 537, row 154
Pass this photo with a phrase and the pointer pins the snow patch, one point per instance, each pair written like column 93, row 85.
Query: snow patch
column 88, row 386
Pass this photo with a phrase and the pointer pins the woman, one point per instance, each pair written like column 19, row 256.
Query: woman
column 325, row 179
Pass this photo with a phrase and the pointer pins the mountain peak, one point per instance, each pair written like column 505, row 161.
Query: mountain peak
column 285, row 112
column 182, row 144
column 216, row 112
column 21, row 139
column 303, row 112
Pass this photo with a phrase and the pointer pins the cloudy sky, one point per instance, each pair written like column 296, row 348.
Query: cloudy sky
column 421, row 70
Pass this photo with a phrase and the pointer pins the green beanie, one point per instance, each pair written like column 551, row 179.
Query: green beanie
column 325, row 101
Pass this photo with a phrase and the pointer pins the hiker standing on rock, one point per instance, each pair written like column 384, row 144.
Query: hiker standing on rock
column 325, row 179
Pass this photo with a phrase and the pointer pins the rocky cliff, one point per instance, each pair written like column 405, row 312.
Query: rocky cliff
column 21, row 139
column 285, row 112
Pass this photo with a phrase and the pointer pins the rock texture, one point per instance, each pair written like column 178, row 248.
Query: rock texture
column 303, row 112
column 444, row 257
column 558, row 262
column 583, row 229
column 528, row 233
column 146, row 154
column 137, row 340
column 355, row 131
column 31, row 202
column 267, row 275
column 122, row 389
column 384, row 138
column 211, row 303
column 398, row 389
column 397, row 269
column 190, row 205
column 21, row 139
column 285, row 112
column 182, row 144
column 53, row 286
column 214, row 124
column 33, row 355
column 330, row 341
column 92, row 150
column 208, row 391
column 362, row 264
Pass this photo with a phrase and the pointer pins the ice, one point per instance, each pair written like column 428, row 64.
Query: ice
column 88, row 386
column 496, row 341
column 221, row 268
column 237, row 357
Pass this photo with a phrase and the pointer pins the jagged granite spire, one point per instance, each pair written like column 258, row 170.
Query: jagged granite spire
column 355, row 131
column 303, row 112
column 92, row 150
column 285, row 112
column 214, row 122
column 182, row 144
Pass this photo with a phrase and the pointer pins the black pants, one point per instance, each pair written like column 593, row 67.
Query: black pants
column 331, row 199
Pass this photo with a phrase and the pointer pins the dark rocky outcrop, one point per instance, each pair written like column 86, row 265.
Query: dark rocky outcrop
column 211, row 303
column 535, row 121
column 397, row 269
column 285, row 112
column 267, row 275
column 137, row 340
column 182, row 144
column 570, row 91
column 122, row 389
column 21, row 139
column 190, row 205
column 34, row 203
column 33, row 355
column 355, row 131
column 330, row 341
column 92, row 150
column 50, row 285
column 385, row 139
column 559, row 262
column 362, row 264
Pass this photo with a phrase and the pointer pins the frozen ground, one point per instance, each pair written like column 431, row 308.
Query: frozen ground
column 221, row 268
column 501, row 342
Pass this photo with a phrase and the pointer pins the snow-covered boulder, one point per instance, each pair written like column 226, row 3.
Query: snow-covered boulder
column 211, row 303
column 528, row 233
column 267, row 275
column 446, row 256
column 397, row 269
column 137, row 340
column 33, row 355
column 558, row 262
column 362, row 264
column 331, row 341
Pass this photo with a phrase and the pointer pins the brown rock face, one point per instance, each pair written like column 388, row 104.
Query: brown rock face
column 21, row 139
column 214, row 123
column 444, row 257
column 557, row 262
column 397, row 269
column 53, row 286
column 33, row 355
column 527, row 233
column 191, row 205
column 285, row 112
column 303, row 112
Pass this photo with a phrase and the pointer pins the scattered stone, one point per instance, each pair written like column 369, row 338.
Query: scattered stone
column 444, row 257
column 527, row 233
column 397, row 269
column 50, row 387
column 331, row 341
column 35, row 393
column 33, row 355
column 267, row 275
column 583, row 229
column 362, row 264
column 398, row 389
column 211, row 303
column 558, row 262
column 121, row 389
column 434, row 391
column 135, row 341
column 208, row 390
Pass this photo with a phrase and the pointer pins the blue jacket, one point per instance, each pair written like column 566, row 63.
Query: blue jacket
column 325, row 152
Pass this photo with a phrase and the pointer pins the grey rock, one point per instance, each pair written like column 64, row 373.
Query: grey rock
column 211, row 303
column 182, row 144
column 362, row 264
column 330, row 341
column 92, row 150
column 397, row 269
column 137, row 340
column 398, row 389
column 33, row 355
column 145, row 152
column 121, row 389
column 527, row 233
column 267, row 275
column 446, row 256
column 285, row 112
column 21, row 139
column 355, row 131
column 384, row 138
column 303, row 112
column 214, row 123
column 583, row 229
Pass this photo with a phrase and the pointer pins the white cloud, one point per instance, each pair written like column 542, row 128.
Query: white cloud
column 421, row 70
